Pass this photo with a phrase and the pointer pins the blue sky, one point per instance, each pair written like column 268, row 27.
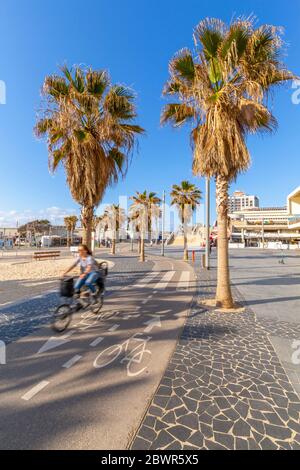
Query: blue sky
column 134, row 40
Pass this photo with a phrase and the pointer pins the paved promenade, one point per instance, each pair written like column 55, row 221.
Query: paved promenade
column 121, row 379
column 225, row 386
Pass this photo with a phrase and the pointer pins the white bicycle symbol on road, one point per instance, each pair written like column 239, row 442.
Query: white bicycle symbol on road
column 136, row 356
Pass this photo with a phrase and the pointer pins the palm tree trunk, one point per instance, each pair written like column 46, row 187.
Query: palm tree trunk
column 87, row 214
column 185, row 249
column 142, row 253
column 113, row 246
column 223, row 295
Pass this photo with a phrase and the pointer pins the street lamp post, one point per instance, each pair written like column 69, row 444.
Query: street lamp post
column 163, row 224
column 207, row 217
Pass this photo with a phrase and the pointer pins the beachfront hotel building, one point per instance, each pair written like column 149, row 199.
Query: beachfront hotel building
column 240, row 201
column 268, row 227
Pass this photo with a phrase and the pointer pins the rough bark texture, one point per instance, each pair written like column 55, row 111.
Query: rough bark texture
column 185, row 249
column 223, row 295
column 142, row 254
column 113, row 246
column 139, row 246
column 87, row 215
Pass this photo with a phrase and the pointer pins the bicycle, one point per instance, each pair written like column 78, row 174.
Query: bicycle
column 63, row 314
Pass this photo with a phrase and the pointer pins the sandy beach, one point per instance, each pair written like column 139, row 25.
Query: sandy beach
column 26, row 279
column 20, row 280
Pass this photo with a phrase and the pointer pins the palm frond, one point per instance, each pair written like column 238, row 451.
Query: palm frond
column 235, row 68
column 177, row 114
column 209, row 33
column 97, row 82
column 183, row 65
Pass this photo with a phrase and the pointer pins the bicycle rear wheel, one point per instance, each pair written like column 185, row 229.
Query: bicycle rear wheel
column 61, row 318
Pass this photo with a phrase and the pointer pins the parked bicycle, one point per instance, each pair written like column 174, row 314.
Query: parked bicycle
column 85, row 301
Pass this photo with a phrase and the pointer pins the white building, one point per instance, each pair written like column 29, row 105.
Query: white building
column 269, row 227
column 240, row 201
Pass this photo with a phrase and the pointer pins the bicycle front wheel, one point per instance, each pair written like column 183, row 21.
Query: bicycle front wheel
column 61, row 318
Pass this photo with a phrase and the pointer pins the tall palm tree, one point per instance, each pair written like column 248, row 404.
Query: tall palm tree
column 68, row 225
column 95, row 224
column 134, row 220
column 223, row 89
column 186, row 197
column 89, row 124
column 73, row 222
column 103, row 223
column 144, row 207
column 116, row 218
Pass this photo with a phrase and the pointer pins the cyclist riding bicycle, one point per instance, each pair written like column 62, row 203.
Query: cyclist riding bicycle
column 89, row 271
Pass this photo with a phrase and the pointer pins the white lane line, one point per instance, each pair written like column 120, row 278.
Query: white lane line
column 153, row 323
column 72, row 361
column 145, row 301
column 148, row 280
column 35, row 390
column 143, row 282
column 97, row 341
column 162, row 284
column 114, row 328
column 184, row 281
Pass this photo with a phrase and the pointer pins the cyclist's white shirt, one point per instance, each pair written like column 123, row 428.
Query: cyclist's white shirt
column 85, row 263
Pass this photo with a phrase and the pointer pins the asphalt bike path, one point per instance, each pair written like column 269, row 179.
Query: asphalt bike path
column 90, row 387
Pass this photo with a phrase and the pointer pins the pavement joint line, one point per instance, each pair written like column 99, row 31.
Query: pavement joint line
column 114, row 328
column 72, row 361
column 96, row 341
column 35, row 390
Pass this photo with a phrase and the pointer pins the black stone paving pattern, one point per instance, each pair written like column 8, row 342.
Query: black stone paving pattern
column 224, row 387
